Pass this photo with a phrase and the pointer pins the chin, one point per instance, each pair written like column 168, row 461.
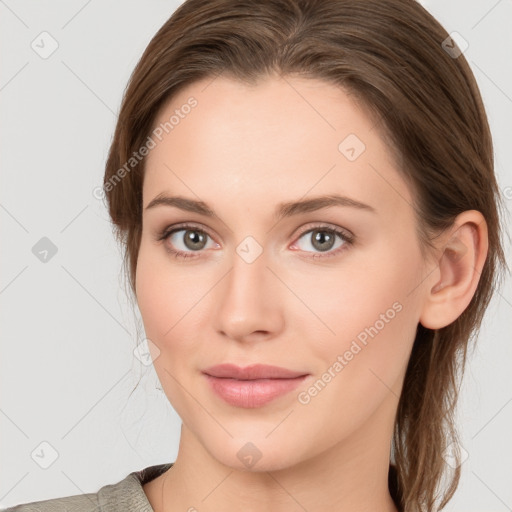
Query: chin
column 259, row 455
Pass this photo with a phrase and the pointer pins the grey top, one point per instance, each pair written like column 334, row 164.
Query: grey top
column 124, row 496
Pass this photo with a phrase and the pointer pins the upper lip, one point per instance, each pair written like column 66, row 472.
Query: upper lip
column 252, row 372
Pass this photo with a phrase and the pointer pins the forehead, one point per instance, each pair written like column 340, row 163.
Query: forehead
column 280, row 111
column 282, row 137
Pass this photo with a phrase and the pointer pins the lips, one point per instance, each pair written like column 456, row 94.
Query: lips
column 252, row 386
column 253, row 372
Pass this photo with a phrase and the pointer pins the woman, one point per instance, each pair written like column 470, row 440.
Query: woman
column 306, row 194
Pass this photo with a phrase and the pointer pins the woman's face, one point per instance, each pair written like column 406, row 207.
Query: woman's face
column 267, row 280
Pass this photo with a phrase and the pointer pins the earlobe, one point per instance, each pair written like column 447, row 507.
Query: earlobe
column 453, row 284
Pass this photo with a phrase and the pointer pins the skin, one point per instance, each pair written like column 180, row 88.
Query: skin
column 243, row 150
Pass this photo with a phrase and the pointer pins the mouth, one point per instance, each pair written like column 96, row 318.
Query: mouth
column 252, row 386
column 252, row 372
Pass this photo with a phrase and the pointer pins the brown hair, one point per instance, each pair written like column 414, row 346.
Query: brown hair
column 388, row 54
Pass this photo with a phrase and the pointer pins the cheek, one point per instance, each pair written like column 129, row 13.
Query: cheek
column 164, row 292
column 159, row 295
column 360, row 364
column 174, row 304
column 368, row 310
column 165, row 299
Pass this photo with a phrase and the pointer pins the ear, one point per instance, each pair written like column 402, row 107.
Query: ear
column 451, row 286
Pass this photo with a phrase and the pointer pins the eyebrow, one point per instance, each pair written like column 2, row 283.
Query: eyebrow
column 287, row 209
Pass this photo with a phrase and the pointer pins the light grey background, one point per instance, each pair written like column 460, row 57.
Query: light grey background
column 68, row 331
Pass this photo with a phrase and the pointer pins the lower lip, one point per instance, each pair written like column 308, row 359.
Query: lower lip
column 252, row 393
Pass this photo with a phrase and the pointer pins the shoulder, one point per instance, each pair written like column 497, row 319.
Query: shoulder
column 124, row 496
column 77, row 503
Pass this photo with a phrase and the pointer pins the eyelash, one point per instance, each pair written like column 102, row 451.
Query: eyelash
column 167, row 232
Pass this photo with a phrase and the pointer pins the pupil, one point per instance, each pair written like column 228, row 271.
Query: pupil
column 321, row 237
column 195, row 238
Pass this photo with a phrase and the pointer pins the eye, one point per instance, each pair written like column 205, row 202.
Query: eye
column 323, row 238
column 185, row 240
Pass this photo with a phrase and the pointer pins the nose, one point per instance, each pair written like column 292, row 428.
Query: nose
column 250, row 302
